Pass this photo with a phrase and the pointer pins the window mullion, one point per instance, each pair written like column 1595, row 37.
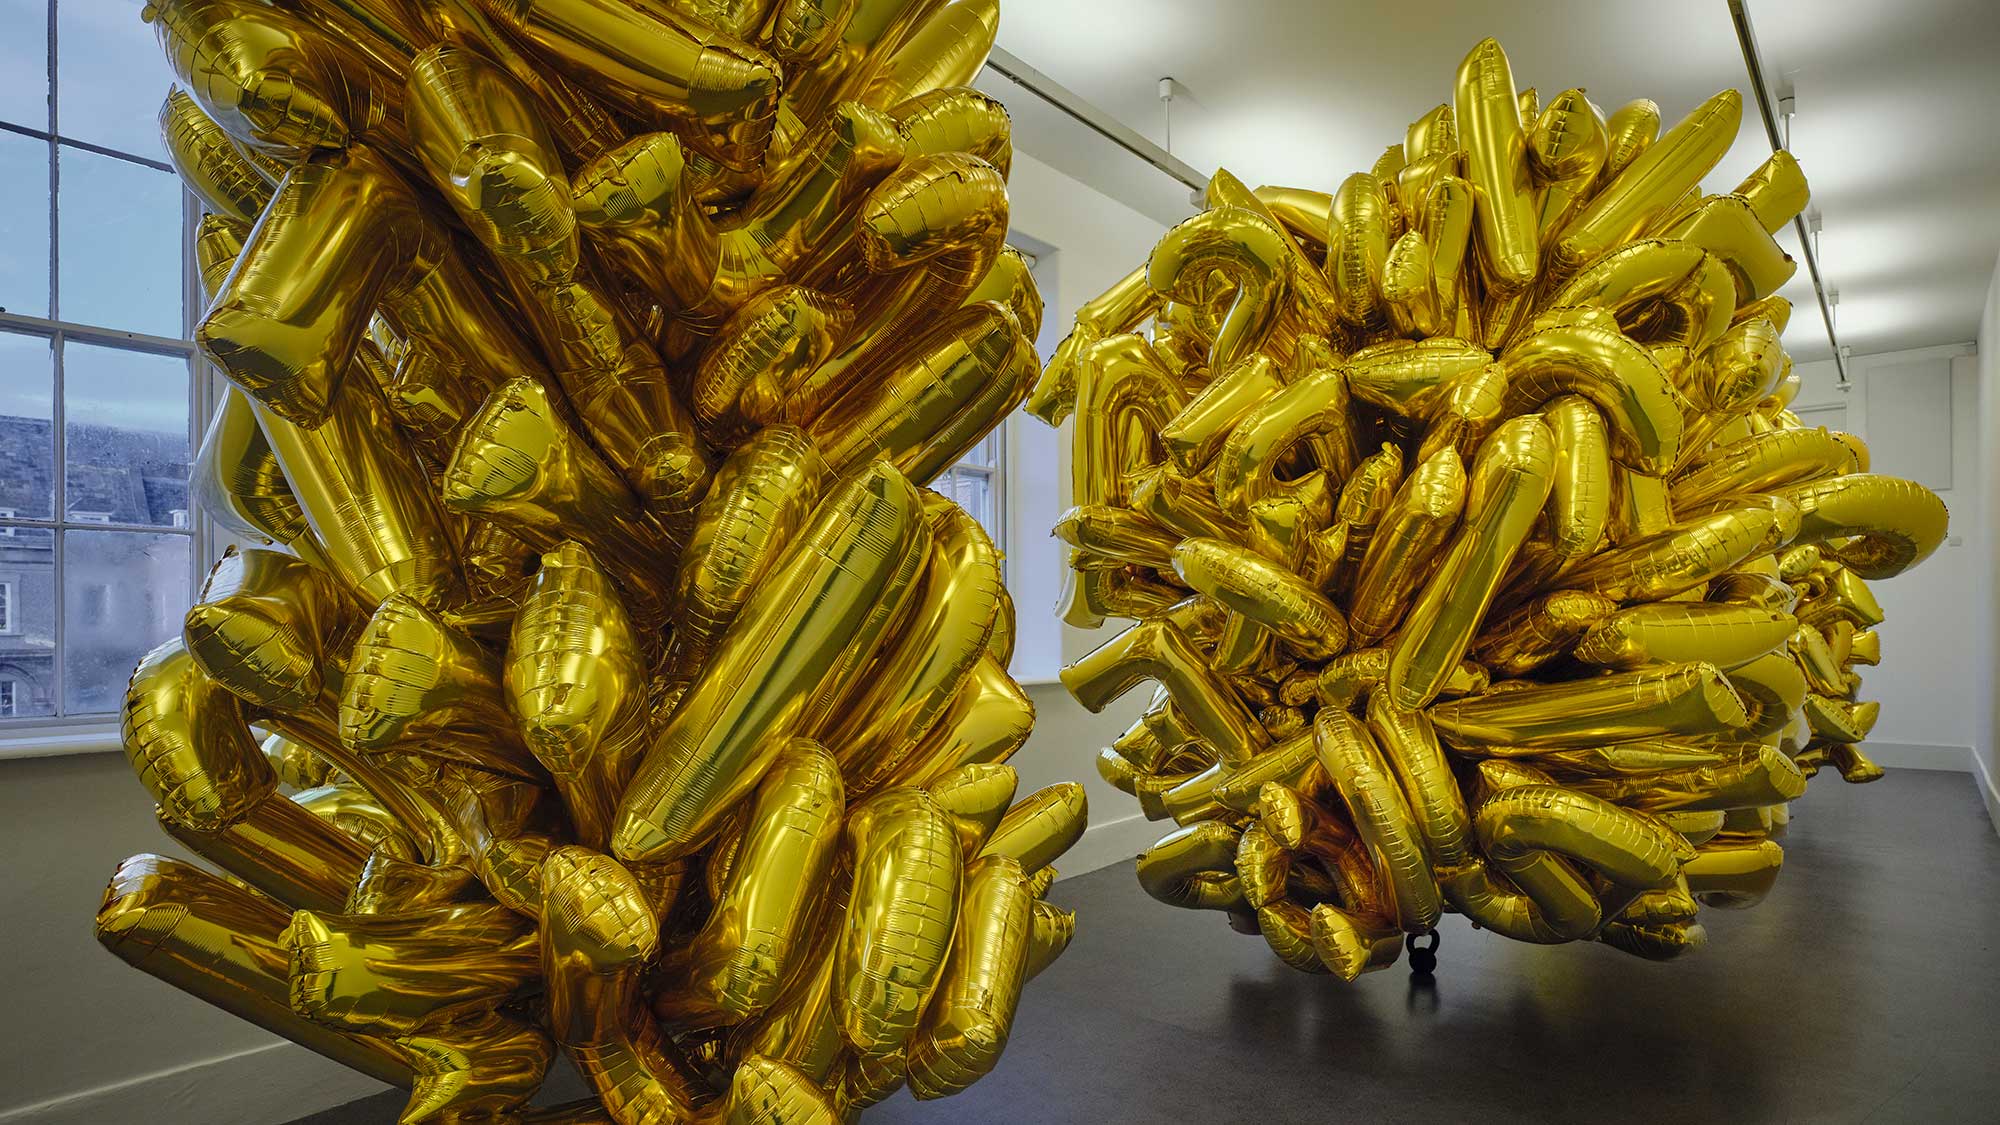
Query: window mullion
column 59, row 469
column 996, row 490
column 120, row 338
column 199, row 532
column 55, row 166
column 59, row 482
column 73, row 525
column 58, row 692
column 50, row 13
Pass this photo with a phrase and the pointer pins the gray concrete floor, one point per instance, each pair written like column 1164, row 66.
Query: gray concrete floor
column 1865, row 988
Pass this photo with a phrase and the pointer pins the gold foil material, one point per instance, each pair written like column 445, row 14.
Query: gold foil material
column 622, row 690
column 1462, row 528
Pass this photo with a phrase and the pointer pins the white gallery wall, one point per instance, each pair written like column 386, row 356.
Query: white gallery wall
column 114, row 1044
column 1923, row 412
column 1983, row 646
column 105, row 1042
column 1092, row 240
column 1919, row 411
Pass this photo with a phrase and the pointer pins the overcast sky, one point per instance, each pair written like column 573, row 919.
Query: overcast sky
column 120, row 221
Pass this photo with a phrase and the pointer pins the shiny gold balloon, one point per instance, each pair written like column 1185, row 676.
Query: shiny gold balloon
column 597, row 674
column 1475, row 557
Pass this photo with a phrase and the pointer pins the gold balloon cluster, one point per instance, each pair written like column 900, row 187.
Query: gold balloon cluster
column 1476, row 556
column 622, row 690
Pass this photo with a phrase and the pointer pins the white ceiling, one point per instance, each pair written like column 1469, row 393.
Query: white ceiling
column 1897, row 126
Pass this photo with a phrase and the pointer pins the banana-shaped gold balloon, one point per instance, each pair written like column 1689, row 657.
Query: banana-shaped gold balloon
column 228, row 179
column 521, row 463
column 912, row 681
column 900, row 918
column 1038, row 829
column 751, row 943
column 1409, row 537
column 586, row 360
column 222, row 942
column 487, row 150
column 237, row 480
column 988, row 718
column 576, row 680
column 658, row 65
column 286, row 849
column 274, row 80
column 189, row 743
column 1508, row 484
column 393, row 974
column 934, row 398
column 1653, row 179
column 418, row 682
column 1461, row 521
column 966, row 1026
column 1489, row 125
column 793, row 639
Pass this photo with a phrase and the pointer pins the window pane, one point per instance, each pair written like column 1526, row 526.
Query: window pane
column 125, row 433
column 123, row 593
column 110, row 76
column 27, row 432
column 24, row 63
column 974, row 493
column 27, row 622
column 1832, row 416
column 121, row 244
column 985, row 453
column 24, row 223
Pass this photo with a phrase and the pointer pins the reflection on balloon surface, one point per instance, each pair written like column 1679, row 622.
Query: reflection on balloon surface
column 623, row 691
column 1468, row 538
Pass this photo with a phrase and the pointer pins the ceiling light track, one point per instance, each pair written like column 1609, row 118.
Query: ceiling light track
column 1753, row 61
column 1008, row 66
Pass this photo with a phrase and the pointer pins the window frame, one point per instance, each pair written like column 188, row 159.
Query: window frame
column 1823, row 408
column 994, row 473
column 34, row 735
column 7, row 591
column 1032, row 492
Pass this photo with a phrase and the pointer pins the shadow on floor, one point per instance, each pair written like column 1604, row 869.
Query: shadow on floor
column 1865, row 988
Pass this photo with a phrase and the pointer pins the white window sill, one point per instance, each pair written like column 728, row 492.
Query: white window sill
column 57, row 741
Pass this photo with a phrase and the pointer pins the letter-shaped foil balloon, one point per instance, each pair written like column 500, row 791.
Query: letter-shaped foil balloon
column 1477, row 559
column 620, row 689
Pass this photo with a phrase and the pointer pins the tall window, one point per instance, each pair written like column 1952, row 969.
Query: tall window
column 97, row 384
column 978, row 482
column 975, row 484
column 1832, row 415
